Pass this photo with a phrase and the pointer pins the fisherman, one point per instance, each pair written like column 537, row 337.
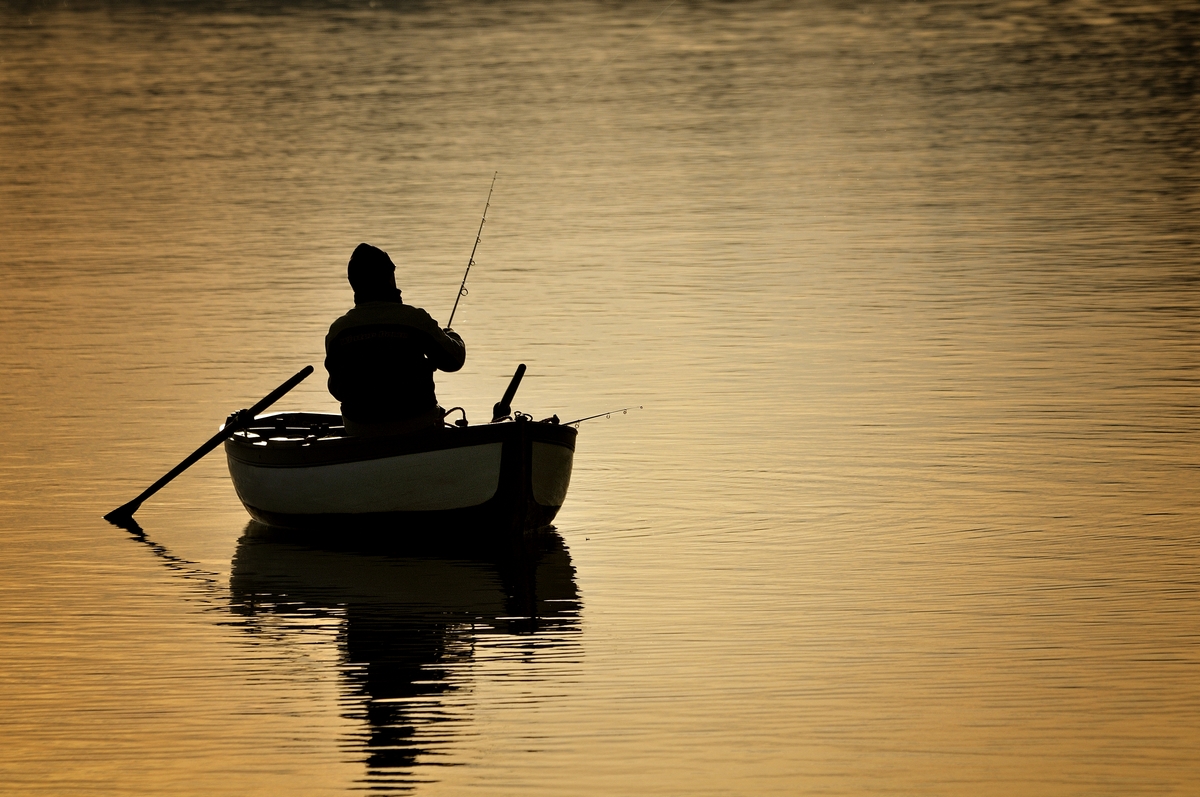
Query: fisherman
column 382, row 354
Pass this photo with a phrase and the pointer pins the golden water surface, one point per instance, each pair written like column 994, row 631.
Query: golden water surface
column 910, row 294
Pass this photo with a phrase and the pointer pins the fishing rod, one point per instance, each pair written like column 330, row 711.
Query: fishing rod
column 462, row 289
column 623, row 411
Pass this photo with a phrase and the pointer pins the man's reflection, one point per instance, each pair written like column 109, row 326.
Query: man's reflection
column 406, row 622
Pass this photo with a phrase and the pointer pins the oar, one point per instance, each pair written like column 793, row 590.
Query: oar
column 123, row 515
column 503, row 407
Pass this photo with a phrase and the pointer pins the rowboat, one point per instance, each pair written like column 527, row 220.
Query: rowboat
column 300, row 470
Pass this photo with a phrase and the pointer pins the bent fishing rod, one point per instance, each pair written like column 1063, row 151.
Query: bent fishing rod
column 462, row 289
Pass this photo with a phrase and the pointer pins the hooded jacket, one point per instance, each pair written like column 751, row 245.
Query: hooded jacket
column 381, row 357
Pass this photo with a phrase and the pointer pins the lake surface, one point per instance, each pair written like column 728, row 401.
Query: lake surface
column 910, row 294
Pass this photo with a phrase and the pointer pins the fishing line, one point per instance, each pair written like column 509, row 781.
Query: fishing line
column 626, row 46
column 462, row 288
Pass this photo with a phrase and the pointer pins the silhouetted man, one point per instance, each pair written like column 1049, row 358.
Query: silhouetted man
column 382, row 354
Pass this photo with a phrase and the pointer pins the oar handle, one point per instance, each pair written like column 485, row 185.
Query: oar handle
column 279, row 392
column 504, row 406
column 124, row 513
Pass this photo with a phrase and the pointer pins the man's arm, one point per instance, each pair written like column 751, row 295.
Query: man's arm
column 444, row 348
column 451, row 351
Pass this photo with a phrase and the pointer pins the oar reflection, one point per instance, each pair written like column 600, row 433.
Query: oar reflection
column 409, row 630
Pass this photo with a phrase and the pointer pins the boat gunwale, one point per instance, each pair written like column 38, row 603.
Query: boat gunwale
column 303, row 453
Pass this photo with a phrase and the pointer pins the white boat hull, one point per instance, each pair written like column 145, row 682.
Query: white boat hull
column 429, row 481
column 507, row 474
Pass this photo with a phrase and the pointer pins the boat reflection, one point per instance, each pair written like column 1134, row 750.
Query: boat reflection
column 407, row 626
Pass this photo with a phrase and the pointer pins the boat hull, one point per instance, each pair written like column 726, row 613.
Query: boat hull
column 296, row 470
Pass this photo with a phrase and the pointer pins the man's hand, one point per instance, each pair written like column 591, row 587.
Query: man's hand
column 239, row 419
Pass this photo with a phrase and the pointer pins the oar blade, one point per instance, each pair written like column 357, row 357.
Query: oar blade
column 122, row 516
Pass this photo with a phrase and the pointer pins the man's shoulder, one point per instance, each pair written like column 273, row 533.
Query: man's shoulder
column 373, row 313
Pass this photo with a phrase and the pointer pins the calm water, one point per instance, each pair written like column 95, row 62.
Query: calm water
column 910, row 294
